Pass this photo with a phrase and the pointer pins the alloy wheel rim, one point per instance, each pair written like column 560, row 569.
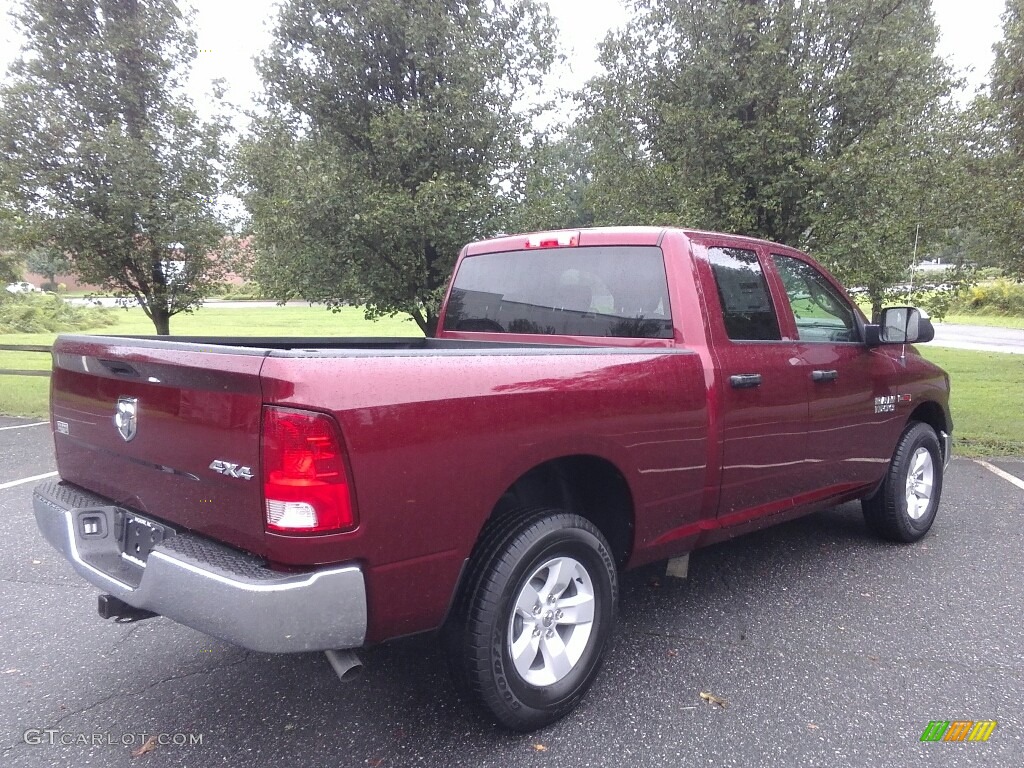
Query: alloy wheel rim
column 552, row 621
column 920, row 483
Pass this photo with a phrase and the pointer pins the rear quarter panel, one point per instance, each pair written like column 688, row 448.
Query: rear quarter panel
column 435, row 440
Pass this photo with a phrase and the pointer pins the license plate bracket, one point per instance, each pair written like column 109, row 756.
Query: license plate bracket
column 139, row 536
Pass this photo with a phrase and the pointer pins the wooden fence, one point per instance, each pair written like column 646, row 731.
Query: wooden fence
column 23, row 348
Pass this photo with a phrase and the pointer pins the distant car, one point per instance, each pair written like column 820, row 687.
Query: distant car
column 22, row 288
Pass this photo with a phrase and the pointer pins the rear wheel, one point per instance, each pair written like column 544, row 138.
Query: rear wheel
column 532, row 622
column 904, row 508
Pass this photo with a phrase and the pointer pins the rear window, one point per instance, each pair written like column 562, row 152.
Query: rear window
column 598, row 291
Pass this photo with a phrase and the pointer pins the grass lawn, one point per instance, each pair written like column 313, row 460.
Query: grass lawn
column 987, row 400
column 28, row 395
column 992, row 321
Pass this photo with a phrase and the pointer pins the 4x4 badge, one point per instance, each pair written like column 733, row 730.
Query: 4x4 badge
column 231, row 470
column 126, row 418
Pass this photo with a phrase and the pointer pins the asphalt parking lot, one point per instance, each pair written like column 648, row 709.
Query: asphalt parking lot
column 830, row 648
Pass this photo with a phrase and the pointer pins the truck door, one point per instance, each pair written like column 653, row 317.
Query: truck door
column 849, row 389
column 759, row 382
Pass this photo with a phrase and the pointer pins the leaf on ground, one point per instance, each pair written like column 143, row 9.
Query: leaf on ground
column 539, row 748
column 375, row 762
column 673, row 652
column 149, row 746
column 710, row 698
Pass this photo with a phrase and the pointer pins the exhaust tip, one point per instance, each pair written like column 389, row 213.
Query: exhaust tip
column 346, row 665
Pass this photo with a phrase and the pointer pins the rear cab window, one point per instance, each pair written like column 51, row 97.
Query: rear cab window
column 605, row 291
column 746, row 302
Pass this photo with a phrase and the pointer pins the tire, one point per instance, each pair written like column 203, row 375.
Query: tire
column 903, row 508
column 530, row 626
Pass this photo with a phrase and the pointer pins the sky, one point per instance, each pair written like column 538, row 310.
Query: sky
column 232, row 32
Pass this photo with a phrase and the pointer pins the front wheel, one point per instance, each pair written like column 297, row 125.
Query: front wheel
column 533, row 621
column 904, row 508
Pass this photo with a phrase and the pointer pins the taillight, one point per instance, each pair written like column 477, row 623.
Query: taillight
column 305, row 487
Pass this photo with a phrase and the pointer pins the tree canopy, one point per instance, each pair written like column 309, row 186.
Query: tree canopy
column 392, row 136
column 1000, row 194
column 105, row 158
column 823, row 125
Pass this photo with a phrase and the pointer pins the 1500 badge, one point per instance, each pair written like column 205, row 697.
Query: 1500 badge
column 885, row 404
column 888, row 403
column 231, row 470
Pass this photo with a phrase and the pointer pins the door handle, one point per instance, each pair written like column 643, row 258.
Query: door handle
column 824, row 375
column 745, row 380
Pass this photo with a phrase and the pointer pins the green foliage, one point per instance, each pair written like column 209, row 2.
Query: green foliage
column 10, row 268
column 104, row 158
column 48, row 262
column 999, row 297
column 819, row 124
column 1008, row 75
column 999, row 171
column 32, row 313
column 392, row 133
column 246, row 291
column 11, row 265
column 553, row 185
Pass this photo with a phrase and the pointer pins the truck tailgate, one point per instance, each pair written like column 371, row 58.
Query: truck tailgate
column 141, row 423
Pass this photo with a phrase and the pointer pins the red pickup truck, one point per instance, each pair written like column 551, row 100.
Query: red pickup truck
column 594, row 400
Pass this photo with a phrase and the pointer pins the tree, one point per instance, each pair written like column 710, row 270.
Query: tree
column 818, row 124
column 47, row 262
column 1001, row 172
column 10, row 259
column 392, row 137
column 554, row 179
column 105, row 158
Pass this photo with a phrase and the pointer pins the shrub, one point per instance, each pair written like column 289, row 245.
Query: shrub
column 245, row 291
column 999, row 297
column 29, row 313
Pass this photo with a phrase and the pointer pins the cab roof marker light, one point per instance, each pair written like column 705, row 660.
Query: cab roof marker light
column 553, row 240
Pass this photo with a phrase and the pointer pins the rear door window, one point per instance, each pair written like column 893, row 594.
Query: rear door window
column 743, row 292
column 590, row 291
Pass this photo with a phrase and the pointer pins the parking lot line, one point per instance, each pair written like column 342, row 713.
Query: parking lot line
column 12, row 483
column 1005, row 475
column 22, row 426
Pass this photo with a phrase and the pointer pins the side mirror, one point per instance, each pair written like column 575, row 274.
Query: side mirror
column 901, row 325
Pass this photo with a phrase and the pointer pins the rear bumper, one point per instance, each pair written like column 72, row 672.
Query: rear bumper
column 204, row 585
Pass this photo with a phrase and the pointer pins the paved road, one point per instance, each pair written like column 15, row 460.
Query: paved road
column 831, row 649
column 979, row 338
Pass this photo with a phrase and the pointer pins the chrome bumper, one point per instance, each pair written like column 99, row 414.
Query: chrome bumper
column 204, row 585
